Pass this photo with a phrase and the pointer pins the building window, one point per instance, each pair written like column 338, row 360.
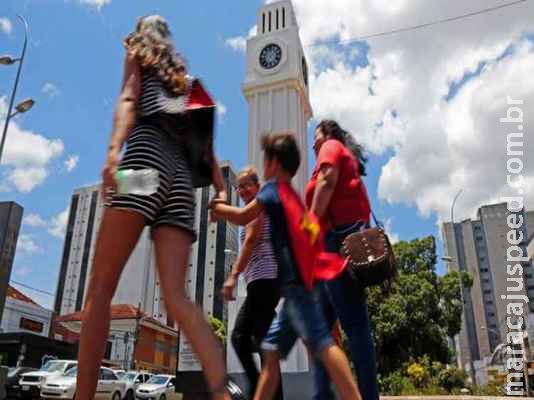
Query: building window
column 530, row 287
column 487, row 291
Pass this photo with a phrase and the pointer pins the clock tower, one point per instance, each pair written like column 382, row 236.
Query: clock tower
column 276, row 84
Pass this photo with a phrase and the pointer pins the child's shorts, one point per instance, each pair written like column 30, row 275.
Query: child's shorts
column 301, row 317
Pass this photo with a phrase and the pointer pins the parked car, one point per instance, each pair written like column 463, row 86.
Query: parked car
column 13, row 377
column 63, row 387
column 133, row 379
column 30, row 383
column 159, row 387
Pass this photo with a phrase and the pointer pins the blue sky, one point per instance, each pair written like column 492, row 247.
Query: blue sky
column 73, row 71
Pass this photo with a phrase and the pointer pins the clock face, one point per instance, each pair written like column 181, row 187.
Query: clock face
column 270, row 56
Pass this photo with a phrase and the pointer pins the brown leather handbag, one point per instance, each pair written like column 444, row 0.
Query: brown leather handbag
column 371, row 260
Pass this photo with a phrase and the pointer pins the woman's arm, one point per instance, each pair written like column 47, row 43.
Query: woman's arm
column 218, row 181
column 123, row 120
column 236, row 215
column 252, row 236
column 326, row 184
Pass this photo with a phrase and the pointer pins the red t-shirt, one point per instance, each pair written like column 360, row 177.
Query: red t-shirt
column 349, row 201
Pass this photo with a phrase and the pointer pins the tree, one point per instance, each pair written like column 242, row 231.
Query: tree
column 413, row 318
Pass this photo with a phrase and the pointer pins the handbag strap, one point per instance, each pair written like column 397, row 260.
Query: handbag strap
column 376, row 221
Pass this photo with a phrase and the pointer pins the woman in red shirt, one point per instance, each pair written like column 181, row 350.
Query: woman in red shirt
column 337, row 195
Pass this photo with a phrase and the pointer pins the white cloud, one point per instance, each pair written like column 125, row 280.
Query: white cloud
column 27, row 155
column 34, row 220
column 6, row 26
column 71, row 162
column 95, row 3
column 50, row 89
column 58, row 224
column 221, row 110
column 394, row 97
column 26, row 244
column 239, row 43
column 388, row 227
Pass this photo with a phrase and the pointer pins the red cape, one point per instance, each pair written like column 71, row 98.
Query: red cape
column 307, row 240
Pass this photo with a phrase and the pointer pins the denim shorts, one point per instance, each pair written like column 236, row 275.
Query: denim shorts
column 301, row 317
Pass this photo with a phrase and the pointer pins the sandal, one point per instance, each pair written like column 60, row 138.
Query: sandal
column 232, row 388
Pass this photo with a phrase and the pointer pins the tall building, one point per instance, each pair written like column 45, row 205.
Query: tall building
column 480, row 247
column 276, row 84
column 139, row 283
column 10, row 220
column 211, row 260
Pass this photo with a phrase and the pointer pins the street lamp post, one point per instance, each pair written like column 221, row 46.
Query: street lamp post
column 462, row 296
column 24, row 105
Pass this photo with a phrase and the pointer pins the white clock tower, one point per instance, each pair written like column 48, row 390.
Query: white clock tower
column 276, row 84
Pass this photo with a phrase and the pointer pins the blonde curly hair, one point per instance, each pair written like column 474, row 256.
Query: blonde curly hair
column 152, row 46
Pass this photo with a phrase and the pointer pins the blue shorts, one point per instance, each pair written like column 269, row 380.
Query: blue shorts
column 301, row 317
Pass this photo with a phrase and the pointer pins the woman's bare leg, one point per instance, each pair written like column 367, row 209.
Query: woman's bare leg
column 338, row 368
column 172, row 257
column 118, row 235
column 270, row 376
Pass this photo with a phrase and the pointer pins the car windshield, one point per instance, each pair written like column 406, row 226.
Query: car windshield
column 129, row 377
column 71, row 373
column 11, row 372
column 53, row 366
column 158, row 380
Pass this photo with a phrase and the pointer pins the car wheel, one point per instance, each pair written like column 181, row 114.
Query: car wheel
column 116, row 396
column 130, row 395
column 162, row 397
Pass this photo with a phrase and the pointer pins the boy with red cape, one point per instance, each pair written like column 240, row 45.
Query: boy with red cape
column 298, row 247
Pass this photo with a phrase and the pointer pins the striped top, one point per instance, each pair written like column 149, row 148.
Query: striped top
column 262, row 264
column 156, row 97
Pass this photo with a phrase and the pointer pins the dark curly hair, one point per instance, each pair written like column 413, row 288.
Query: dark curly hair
column 332, row 130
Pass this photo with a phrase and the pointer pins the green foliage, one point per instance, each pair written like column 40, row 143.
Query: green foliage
column 423, row 377
column 418, row 374
column 414, row 317
column 451, row 379
column 218, row 328
column 396, row 384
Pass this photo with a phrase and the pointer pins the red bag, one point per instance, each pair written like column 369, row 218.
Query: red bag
column 307, row 240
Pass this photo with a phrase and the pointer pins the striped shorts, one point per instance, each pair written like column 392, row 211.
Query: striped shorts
column 173, row 204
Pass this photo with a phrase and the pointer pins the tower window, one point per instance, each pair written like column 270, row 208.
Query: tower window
column 263, row 22
column 277, row 26
column 270, row 21
column 283, row 17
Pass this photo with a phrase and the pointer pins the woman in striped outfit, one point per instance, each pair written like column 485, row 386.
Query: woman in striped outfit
column 152, row 118
column 257, row 261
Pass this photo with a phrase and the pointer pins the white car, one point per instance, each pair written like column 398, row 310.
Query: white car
column 159, row 387
column 63, row 387
column 133, row 379
column 31, row 382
